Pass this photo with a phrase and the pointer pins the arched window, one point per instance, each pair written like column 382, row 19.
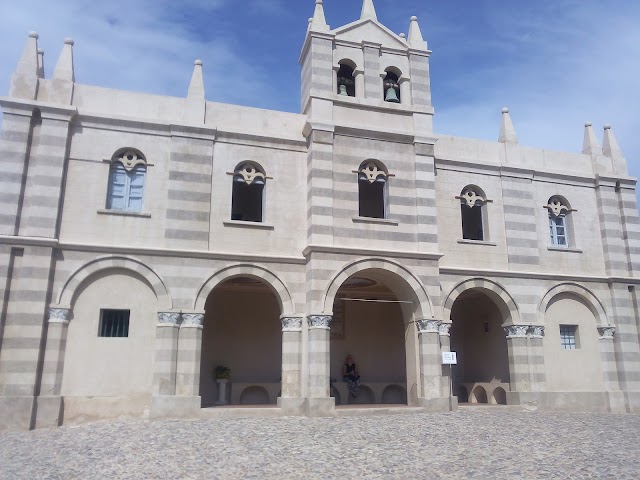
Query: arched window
column 248, row 193
column 473, row 205
column 391, row 86
column 559, row 221
column 346, row 80
column 126, row 181
column 372, row 189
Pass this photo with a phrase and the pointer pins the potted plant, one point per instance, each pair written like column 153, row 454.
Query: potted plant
column 222, row 375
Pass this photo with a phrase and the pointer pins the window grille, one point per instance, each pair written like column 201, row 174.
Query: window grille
column 114, row 323
column 568, row 337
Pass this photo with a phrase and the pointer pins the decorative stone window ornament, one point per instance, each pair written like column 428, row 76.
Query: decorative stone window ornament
column 471, row 198
column 372, row 173
column 130, row 159
column 557, row 207
column 249, row 174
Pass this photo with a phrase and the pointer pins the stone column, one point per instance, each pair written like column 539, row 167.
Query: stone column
column 164, row 375
column 430, row 364
column 358, row 76
column 320, row 402
column 189, row 349
column 517, row 345
column 50, row 402
column 445, row 346
column 610, row 369
column 290, row 398
column 405, row 91
column 538, row 376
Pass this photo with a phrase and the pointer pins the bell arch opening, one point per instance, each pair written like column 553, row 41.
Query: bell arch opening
column 374, row 340
column 241, row 331
column 478, row 338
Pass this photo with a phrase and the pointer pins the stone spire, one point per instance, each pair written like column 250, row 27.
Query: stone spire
column 319, row 23
column 590, row 145
column 63, row 76
column 64, row 67
column 368, row 11
column 610, row 144
column 612, row 150
column 196, row 87
column 195, row 104
column 40, row 63
column 415, row 35
column 507, row 131
column 24, row 82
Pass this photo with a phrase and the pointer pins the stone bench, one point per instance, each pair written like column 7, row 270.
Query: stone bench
column 254, row 393
column 493, row 393
column 371, row 393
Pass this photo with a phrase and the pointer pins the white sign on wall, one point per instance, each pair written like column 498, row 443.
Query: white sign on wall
column 449, row 358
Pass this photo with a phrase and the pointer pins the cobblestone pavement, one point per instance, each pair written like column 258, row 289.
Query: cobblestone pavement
column 489, row 444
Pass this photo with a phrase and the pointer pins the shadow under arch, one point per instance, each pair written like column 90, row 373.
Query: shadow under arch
column 74, row 283
column 281, row 291
column 496, row 292
column 583, row 293
column 404, row 284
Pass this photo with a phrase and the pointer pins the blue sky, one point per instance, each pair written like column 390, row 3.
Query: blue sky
column 555, row 63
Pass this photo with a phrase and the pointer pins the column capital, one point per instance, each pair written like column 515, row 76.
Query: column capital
column 536, row 331
column 319, row 321
column 291, row 324
column 60, row 315
column 168, row 318
column 444, row 328
column 517, row 331
column 607, row 332
column 428, row 326
column 192, row 320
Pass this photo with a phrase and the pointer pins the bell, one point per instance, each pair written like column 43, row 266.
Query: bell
column 391, row 96
column 343, row 91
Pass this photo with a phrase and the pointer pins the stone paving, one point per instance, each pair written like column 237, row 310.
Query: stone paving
column 479, row 444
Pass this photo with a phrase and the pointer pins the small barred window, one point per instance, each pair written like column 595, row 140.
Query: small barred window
column 114, row 323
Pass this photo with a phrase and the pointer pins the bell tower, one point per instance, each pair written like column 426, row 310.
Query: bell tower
column 366, row 94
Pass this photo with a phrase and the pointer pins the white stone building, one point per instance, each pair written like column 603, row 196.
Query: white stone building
column 146, row 240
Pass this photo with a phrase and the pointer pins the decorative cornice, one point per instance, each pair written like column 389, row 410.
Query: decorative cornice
column 291, row 324
column 319, row 321
column 428, row 326
column 192, row 319
column 443, row 329
column 59, row 315
column 606, row 333
column 168, row 318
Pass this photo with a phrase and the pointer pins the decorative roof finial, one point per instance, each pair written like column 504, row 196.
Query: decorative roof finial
column 64, row 68
column 507, row 130
column 610, row 145
column 196, row 87
column 319, row 23
column 368, row 11
column 415, row 35
column 590, row 146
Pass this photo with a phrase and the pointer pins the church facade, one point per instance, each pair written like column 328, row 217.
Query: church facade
column 160, row 256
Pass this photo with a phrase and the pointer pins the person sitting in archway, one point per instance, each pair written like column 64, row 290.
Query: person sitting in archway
column 351, row 376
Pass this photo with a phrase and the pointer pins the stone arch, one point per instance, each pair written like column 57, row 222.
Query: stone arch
column 503, row 300
column 77, row 279
column 398, row 272
column 590, row 300
column 499, row 396
column 246, row 270
column 478, row 395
